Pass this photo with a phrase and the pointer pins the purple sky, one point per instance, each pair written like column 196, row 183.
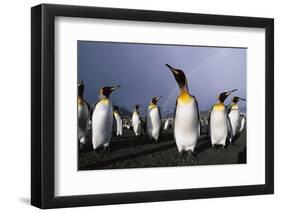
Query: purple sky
column 141, row 70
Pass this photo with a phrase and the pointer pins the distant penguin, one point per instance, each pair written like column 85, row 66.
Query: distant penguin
column 136, row 121
column 153, row 120
column 168, row 124
column 187, row 121
column 102, row 119
column 127, row 124
column 234, row 114
column 219, row 123
column 242, row 123
column 119, row 130
column 83, row 113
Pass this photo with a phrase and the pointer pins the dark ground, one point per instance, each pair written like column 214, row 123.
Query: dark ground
column 131, row 152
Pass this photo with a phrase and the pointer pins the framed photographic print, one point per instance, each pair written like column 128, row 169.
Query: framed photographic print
column 140, row 106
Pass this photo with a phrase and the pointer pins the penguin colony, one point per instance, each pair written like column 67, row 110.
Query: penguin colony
column 95, row 123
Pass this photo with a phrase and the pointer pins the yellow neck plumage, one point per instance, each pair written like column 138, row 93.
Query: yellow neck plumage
column 104, row 101
column 152, row 105
column 219, row 106
column 184, row 97
column 234, row 106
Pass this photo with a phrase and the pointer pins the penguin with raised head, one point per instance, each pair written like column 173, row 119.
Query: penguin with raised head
column 102, row 119
column 187, row 121
column 219, row 123
column 153, row 120
column 83, row 113
column 234, row 114
column 136, row 121
column 119, row 126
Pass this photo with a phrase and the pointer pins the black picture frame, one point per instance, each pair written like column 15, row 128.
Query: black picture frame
column 43, row 102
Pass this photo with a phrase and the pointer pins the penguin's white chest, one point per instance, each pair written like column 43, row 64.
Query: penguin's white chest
column 218, row 126
column 119, row 124
column 102, row 121
column 186, row 126
column 242, row 124
column 136, row 123
column 167, row 123
column 234, row 120
column 153, row 123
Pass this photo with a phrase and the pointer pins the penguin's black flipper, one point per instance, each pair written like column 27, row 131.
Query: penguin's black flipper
column 114, row 126
column 175, row 110
column 198, row 116
column 209, row 123
column 228, row 108
column 91, row 111
column 161, row 127
column 143, row 125
column 88, row 105
column 229, row 130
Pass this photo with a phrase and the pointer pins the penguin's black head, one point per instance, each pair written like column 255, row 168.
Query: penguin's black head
column 179, row 76
column 224, row 95
column 155, row 99
column 137, row 106
column 236, row 99
column 106, row 91
column 80, row 88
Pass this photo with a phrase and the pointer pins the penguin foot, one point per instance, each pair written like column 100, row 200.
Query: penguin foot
column 214, row 147
column 191, row 158
column 98, row 152
column 106, row 149
column 188, row 157
column 182, row 156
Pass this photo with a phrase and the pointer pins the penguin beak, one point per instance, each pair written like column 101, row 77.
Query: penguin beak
column 241, row 99
column 179, row 77
column 229, row 92
column 173, row 70
column 114, row 88
column 157, row 98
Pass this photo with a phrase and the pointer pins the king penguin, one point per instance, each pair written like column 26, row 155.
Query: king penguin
column 83, row 113
column 136, row 120
column 219, row 123
column 242, row 123
column 102, row 119
column 187, row 121
column 168, row 124
column 234, row 114
column 153, row 120
column 119, row 129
